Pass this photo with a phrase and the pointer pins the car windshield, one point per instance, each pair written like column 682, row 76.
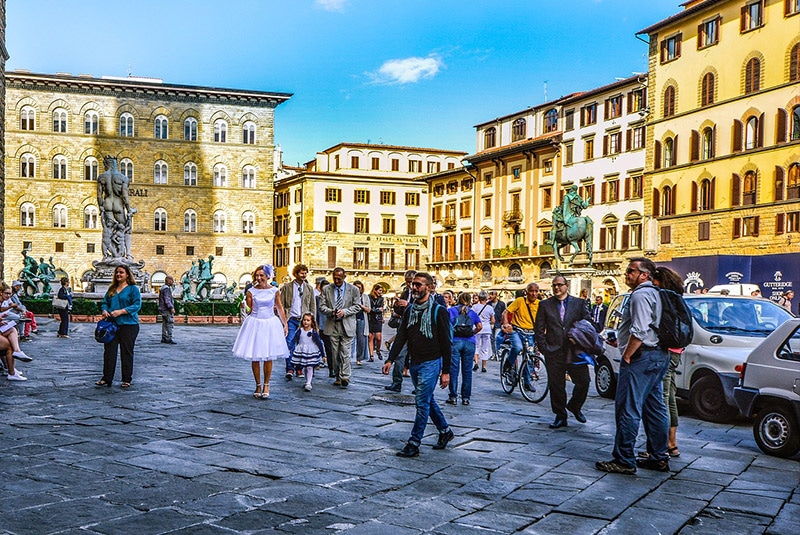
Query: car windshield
column 743, row 317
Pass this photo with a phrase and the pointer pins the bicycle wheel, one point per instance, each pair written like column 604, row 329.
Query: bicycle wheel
column 533, row 378
column 508, row 377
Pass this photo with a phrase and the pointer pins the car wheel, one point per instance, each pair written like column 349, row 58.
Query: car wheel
column 708, row 401
column 776, row 432
column 605, row 380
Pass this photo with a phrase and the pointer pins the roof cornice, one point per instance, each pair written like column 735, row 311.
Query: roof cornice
column 689, row 11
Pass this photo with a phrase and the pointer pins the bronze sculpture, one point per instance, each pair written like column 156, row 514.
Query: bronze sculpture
column 570, row 227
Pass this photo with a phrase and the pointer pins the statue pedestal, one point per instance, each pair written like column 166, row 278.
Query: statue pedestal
column 579, row 279
column 103, row 274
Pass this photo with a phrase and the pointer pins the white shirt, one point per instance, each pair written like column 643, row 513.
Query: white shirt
column 297, row 300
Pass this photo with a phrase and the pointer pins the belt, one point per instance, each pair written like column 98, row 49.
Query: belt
column 295, row 318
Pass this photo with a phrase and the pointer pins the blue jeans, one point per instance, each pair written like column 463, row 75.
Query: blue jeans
column 462, row 357
column 516, row 344
column 293, row 324
column 640, row 398
column 425, row 377
column 360, row 343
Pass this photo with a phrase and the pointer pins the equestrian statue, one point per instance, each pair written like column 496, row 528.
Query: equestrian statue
column 570, row 227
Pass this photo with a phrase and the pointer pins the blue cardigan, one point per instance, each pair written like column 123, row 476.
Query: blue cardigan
column 130, row 299
column 314, row 337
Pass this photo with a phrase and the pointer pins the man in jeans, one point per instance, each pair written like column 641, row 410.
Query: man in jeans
column 297, row 298
column 640, row 387
column 522, row 315
column 166, row 307
column 425, row 327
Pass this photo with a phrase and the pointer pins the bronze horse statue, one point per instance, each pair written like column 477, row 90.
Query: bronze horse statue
column 572, row 232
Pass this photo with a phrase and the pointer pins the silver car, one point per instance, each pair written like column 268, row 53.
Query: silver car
column 770, row 391
column 726, row 329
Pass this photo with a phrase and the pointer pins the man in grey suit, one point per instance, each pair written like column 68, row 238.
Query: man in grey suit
column 340, row 302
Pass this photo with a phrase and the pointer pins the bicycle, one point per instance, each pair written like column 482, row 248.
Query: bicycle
column 530, row 366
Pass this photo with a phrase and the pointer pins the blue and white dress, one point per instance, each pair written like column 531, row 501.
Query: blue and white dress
column 261, row 336
column 307, row 349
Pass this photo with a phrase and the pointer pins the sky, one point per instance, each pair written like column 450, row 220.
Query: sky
column 418, row 73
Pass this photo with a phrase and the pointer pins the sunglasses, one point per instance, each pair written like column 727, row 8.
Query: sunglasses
column 631, row 270
column 557, row 285
column 417, row 284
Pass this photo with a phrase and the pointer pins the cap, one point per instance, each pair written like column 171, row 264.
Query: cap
column 15, row 284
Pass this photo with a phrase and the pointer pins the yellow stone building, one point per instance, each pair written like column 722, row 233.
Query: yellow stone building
column 358, row 206
column 200, row 160
column 723, row 141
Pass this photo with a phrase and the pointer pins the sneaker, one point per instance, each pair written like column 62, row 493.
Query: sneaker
column 21, row 356
column 307, row 388
column 16, row 377
column 653, row 464
column 451, row 401
column 392, row 388
column 289, row 376
column 614, row 467
column 35, row 331
column 465, row 402
column 409, row 450
column 444, row 438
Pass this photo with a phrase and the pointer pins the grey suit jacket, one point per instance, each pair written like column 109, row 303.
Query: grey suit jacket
column 351, row 307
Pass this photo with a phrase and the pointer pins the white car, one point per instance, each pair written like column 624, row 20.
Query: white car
column 726, row 329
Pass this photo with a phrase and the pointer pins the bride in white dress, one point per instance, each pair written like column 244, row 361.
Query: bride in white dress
column 262, row 337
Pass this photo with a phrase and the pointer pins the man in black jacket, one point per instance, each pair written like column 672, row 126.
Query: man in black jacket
column 599, row 311
column 425, row 328
column 554, row 319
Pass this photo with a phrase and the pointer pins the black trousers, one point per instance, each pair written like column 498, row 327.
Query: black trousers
column 63, row 327
column 557, row 369
column 124, row 340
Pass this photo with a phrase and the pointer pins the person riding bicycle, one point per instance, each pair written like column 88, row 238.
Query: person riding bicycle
column 520, row 315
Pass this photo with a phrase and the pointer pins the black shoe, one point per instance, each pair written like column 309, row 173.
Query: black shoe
column 289, row 376
column 653, row 464
column 392, row 388
column 345, row 383
column 559, row 422
column 168, row 342
column 409, row 450
column 444, row 438
column 578, row 415
column 451, row 401
column 475, row 367
column 614, row 467
column 465, row 402
column 483, row 370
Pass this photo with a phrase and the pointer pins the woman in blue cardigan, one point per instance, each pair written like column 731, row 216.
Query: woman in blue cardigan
column 121, row 305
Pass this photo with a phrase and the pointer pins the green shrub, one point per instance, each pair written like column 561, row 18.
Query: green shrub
column 38, row 306
column 90, row 307
column 213, row 308
column 85, row 307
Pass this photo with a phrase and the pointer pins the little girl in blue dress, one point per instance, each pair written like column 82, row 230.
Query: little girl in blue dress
column 307, row 349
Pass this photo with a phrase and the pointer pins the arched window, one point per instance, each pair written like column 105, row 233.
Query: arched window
column 190, row 221
column 160, row 172
column 794, row 63
column 248, row 223
column 793, row 182
column 249, row 133
column 249, row 177
column 90, row 168
column 519, row 129
column 91, row 123
column 489, row 137
column 707, row 92
column 551, row 121
column 190, row 174
column 126, row 168
column 60, row 120
column 126, row 125
column 220, row 175
column 219, row 221
column 59, row 216
column 190, row 129
column 27, row 118
column 27, row 215
column 667, row 201
column 220, row 131
column 60, row 167
column 90, row 214
column 27, row 166
column 752, row 76
column 669, row 101
column 160, row 220
column 705, row 200
column 161, row 127
column 751, row 133
column 749, row 187
column 707, row 139
column 795, row 123
column 669, row 152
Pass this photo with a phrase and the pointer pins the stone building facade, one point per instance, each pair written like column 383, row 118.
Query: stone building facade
column 200, row 161
column 3, row 58
column 358, row 206
column 723, row 157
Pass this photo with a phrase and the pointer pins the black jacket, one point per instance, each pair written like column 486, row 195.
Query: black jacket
column 551, row 332
column 600, row 323
column 421, row 349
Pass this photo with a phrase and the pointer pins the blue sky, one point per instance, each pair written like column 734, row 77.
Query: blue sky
column 400, row 72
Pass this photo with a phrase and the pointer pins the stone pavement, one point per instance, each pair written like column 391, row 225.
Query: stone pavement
column 188, row 450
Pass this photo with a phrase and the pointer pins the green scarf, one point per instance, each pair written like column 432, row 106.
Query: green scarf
column 421, row 313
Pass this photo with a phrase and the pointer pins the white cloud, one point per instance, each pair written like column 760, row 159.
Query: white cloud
column 331, row 5
column 407, row 70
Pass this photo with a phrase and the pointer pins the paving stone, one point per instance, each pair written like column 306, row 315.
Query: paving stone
column 608, row 497
column 694, row 489
column 745, row 503
column 642, row 520
column 714, row 522
column 559, row 524
column 786, row 522
column 148, row 523
column 62, row 515
column 171, row 465
column 251, row 521
column 372, row 527
column 423, row 515
column 542, row 493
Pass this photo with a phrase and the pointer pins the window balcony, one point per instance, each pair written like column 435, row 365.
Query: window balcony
column 512, row 216
column 506, row 252
column 448, row 222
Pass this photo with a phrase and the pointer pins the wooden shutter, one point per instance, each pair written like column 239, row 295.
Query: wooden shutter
column 656, row 202
column 606, row 109
column 756, row 225
column 605, row 145
column 737, row 227
column 630, row 101
column 780, row 223
column 628, row 139
column 700, row 36
column 779, row 177
column 760, row 136
column 787, row 7
column 736, row 190
column 603, row 192
column 657, row 155
column 780, row 125
column 713, row 150
column 712, row 193
column 627, row 188
column 674, row 200
column 626, row 236
column 694, row 196
column 675, row 150
column 603, row 232
column 678, row 40
column 736, row 135
column 663, row 50
column 694, row 146
column 743, row 19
